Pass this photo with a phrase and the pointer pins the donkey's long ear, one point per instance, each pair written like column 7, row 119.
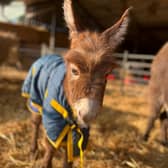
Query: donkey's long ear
column 114, row 35
column 70, row 17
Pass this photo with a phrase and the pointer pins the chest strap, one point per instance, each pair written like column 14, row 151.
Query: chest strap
column 67, row 131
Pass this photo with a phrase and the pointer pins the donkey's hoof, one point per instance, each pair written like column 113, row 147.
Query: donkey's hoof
column 44, row 165
column 33, row 155
column 145, row 137
column 67, row 165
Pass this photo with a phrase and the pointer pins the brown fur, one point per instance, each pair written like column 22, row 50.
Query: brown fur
column 35, row 121
column 158, row 90
column 86, row 54
column 164, row 128
column 91, row 54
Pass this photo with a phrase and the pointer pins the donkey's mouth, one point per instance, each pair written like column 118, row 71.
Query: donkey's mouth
column 86, row 110
column 81, row 123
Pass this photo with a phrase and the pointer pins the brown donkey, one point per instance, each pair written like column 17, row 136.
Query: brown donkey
column 158, row 94
column 87, row 63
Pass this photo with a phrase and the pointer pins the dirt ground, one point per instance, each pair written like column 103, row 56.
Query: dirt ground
column 115, row 137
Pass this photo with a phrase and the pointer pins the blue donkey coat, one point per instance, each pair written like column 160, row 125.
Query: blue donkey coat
column 43, row 87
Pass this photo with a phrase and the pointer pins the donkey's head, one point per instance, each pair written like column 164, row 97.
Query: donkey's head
column 88, row 62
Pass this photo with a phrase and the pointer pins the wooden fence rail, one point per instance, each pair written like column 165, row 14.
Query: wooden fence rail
column 133, row 68
column 134, row 65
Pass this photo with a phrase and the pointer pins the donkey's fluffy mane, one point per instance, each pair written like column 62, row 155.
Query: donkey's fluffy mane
column 87, row 49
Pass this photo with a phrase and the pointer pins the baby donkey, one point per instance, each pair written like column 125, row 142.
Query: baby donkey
column 66, row 93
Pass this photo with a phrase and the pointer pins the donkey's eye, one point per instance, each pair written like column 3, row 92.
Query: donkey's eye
column 75, row 72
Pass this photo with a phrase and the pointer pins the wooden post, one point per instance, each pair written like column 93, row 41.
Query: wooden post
column 44, row 49
column 52, row 34
column 123, row 71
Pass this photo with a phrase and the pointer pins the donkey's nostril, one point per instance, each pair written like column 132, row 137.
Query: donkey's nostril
column 86, row 110
column 79, row 113
column 83, row 117
column 87, row 118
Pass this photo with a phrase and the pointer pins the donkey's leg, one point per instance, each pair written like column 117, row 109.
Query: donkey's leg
column 155, row 107
column 67, row 164
column 49, row 150
column 35, row 121
column 164, row 127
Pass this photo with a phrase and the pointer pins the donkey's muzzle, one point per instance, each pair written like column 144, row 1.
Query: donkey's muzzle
column 86, row 111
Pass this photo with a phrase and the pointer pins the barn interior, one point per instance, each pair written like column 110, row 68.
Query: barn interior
column 148, row 27
column 146, row 34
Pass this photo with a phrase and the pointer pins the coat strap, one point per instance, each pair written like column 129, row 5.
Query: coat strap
column 68, row 131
